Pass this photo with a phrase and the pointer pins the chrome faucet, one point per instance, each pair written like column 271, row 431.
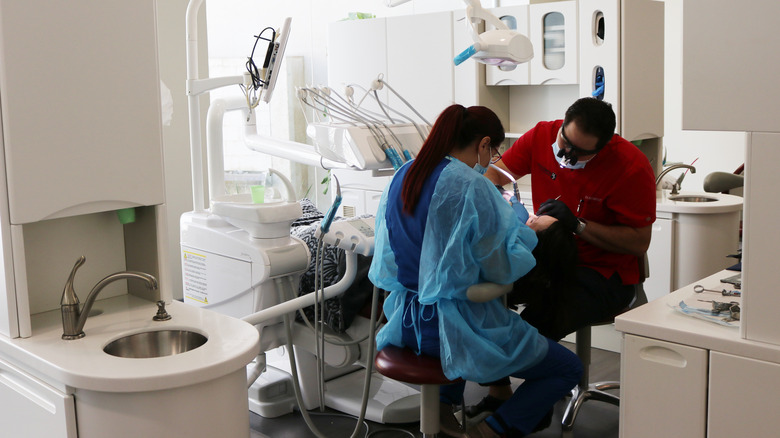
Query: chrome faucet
column 676, row 185
column 73, row 319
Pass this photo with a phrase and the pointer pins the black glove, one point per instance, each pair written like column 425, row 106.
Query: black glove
column 560, row 211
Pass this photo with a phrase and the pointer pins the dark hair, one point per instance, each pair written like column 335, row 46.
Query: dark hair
column 456, row 128
column 594, row 117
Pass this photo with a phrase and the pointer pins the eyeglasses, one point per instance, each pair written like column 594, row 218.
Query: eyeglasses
column 576, row 149
column 496, row 157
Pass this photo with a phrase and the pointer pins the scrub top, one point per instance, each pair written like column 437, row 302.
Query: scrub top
column 462, row 232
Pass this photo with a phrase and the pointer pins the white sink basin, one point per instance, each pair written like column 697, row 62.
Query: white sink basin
column 697, row 202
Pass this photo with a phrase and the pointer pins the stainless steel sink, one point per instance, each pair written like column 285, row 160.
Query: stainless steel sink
column 155, row 344
column 692, row 198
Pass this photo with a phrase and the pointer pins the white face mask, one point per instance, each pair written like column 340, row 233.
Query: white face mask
column 563, row 162
column 479, row 167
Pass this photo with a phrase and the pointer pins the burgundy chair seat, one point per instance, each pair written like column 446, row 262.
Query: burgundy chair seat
column 405, row 365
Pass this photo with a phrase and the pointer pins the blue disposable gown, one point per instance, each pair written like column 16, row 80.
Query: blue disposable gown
column 471, row 235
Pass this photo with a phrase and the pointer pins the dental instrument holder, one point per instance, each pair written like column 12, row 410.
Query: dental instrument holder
column 328, row 219
column 73, row 318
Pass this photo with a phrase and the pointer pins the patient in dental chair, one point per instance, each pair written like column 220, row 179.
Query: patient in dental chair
column 339, row 311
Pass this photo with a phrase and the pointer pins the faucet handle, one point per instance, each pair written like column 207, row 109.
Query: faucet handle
column 69, row 296
column 162, row 314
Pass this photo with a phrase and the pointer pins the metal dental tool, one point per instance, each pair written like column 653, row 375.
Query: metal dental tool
column 726, row 293
column 511, row 178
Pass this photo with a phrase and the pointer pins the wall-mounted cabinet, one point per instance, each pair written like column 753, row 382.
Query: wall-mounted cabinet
column 82, row 130
column 81, row 137
column 622, row 50
column 553, row 32
column 516, row 18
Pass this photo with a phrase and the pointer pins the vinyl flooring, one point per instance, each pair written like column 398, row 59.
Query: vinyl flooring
column 595, row 419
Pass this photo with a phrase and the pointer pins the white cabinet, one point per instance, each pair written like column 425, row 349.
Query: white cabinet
column 660, row 256
column 663, row 389
column 729, row 71
column 81, row 137
column 742, row 396
column 621, row 46
column 419, row 62
column 553, row 32
column 760, row 238
column 357, row 53
column 32, row 408
column 516, row 18
column 81, row 117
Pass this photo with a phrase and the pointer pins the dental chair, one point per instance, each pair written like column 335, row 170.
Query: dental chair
column 585, row 390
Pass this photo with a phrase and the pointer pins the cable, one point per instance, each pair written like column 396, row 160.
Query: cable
column 256, row 74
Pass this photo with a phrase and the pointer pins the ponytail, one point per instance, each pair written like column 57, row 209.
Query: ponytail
column 456, row 128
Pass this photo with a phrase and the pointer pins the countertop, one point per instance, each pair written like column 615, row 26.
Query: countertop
column 82, row 363
column 658, row 320
column 723, row 203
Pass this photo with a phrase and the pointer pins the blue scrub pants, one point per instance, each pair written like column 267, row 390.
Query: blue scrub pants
column 544, row 383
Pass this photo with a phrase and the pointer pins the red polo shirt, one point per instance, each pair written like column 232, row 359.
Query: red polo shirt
column 616, row 187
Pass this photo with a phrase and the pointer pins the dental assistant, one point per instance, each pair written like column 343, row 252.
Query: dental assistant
column 442, row 227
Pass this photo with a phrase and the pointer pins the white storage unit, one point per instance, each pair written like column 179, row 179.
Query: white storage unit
column 730, row 84
column 521, row 75
column 93, row 107
column 744, row 388
column 82, row 136
column 683, row 376
column 654, row 371
column 660, row 256
column 553, row 32
column 760, row 240
column 33, row 408
column 630, row 55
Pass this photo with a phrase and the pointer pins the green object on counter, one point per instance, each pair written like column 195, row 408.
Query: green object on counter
column 359, row 16
column 258, row 194
column 126, row 215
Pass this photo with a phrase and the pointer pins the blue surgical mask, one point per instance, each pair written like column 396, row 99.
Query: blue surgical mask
column 480, row 168
column 563, row 161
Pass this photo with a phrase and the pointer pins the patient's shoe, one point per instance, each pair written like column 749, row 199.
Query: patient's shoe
column 448, row 423
column 484, row 408
column 481, row 430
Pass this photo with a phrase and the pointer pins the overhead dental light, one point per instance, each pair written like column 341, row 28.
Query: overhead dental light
column 501, row 46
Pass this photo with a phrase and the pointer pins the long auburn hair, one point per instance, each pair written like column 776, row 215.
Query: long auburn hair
column 456, row 128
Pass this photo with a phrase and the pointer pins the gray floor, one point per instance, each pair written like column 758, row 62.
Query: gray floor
column 595, row 420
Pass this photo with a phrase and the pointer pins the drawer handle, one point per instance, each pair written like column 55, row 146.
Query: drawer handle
column 663, row 356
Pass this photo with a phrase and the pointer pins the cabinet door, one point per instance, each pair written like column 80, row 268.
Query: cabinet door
column 661, row 258
column 663, row 389
column 419, row 62
column 32, row 408
column 743, row 397
column 553, row 32
column 599, row 29
column 517, row 15
column 80, row 111
column 357, row 54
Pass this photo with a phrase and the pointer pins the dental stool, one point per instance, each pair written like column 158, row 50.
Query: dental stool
column 585, row 390
column 404, row 365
